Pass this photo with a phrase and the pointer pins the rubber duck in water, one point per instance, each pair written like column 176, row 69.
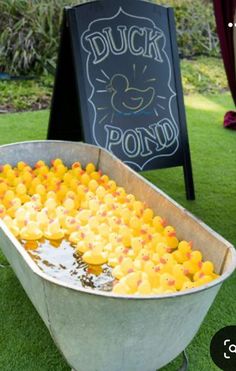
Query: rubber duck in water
column 82, row 247
column 127, row 99
column 31, row 232
column 95, row 256
column 54, row 230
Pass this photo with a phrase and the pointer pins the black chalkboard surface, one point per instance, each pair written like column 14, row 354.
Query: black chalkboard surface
column 118, row 84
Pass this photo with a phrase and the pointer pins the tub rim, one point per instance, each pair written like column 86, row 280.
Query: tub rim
column 36, row 270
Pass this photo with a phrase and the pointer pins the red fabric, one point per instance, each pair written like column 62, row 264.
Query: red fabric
column 224, row 13
column 230, row 120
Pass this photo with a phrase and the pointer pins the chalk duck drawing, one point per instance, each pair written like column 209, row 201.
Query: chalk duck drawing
column 127, row 99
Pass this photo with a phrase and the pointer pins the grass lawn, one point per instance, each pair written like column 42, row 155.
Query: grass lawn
column 26, row 345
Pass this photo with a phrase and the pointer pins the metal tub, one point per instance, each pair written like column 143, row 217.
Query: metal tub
column 98, row 331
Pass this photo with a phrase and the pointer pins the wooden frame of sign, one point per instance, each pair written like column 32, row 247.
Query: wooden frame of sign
column 118, row 84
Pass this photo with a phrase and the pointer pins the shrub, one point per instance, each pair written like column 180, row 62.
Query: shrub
column 196, row 27
column 29, row 32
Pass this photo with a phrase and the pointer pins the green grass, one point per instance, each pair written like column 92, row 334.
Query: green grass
column 26, row 345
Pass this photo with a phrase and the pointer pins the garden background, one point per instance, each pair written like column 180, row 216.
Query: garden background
column 29, row 35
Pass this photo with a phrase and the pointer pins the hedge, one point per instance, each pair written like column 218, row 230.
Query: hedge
column 29, row 32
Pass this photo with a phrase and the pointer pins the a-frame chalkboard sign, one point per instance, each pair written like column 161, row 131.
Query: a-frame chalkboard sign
column 118, row 84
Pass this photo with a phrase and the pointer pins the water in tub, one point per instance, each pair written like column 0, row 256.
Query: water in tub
column 58, row 259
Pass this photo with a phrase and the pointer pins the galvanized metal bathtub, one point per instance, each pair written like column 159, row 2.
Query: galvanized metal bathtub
column 98, row 331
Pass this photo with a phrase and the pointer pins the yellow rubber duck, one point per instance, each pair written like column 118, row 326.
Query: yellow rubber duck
column 131, row 280
column 11, row 224
column 117, row 255
column 3, row 187
column 76, row 236
column 125, row 234
column 180, row 276
column 121, row 288
column 50, row 205
column 31, row 232
column 4, row 169
column 143, row 256
column 169, row 234
column 70, row 224
column 167, row 262
column 137, row 243
column 42, row 219
column 144, row 287
column 183, row 252
column 95, row 256
column 21, row 191
column 152, row 273
column 11, row 177
column 83, row 246
column 126, row 266
column 147, row 215
column 83, row 216
column 8, row 197
column 21, row 215
column 54, row 231
column 162, row 248
column 207, row 268
column 167, row 284
column 194, row 263
column 14, row 205
column 158, row 223
column 201, row 279
column 2, row 211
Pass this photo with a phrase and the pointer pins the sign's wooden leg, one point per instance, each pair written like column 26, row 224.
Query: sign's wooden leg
column 188, row 179
column 185, row 364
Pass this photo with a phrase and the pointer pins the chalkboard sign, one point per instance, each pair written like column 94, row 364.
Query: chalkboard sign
column 118, row 84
